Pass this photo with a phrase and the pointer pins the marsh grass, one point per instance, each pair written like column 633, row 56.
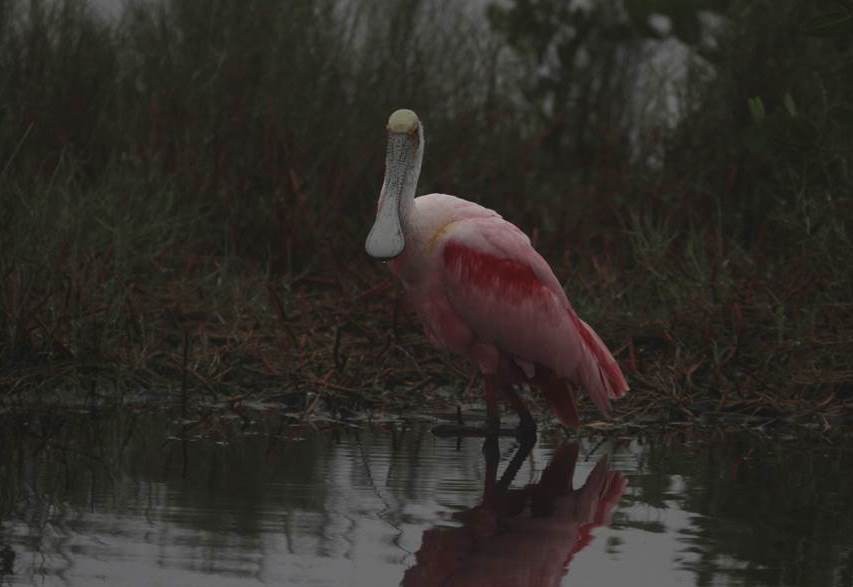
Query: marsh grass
column 184, row 195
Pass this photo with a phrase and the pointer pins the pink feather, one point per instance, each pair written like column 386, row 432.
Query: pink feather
column 482, row 290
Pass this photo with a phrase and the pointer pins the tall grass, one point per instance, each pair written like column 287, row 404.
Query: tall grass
column 186, row 190
column 264, row 110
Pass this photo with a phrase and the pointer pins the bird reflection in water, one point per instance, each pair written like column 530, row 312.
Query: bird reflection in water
column 520, row 537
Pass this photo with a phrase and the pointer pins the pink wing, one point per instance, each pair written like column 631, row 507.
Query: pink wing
column 508, row 296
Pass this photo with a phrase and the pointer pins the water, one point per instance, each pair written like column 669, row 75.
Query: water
column 132, row 499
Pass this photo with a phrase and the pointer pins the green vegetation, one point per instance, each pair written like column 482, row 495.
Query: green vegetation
column 184, row 194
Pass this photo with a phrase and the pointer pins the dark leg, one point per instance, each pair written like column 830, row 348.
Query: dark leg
column 491, row 452
column 526, row 425
column 493, row 416
column 525, row 445
column 493, row 487
column 493, row 385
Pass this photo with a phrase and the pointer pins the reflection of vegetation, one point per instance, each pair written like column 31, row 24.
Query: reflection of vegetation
column 205, row 498
column 185, row 191
column 759, row 513
column 797, row 535
column 775, row 514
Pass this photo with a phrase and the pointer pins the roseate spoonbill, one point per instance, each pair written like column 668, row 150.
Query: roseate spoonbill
column 481, row 290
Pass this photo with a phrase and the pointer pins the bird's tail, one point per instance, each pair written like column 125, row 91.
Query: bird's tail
column 559, row 393
column 598, row 372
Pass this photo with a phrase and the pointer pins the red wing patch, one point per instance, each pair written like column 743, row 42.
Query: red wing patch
column 508, row 279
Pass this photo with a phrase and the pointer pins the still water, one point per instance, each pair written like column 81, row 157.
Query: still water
column 141, row 499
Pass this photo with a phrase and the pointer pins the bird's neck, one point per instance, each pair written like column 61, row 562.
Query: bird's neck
column 407, row 205
column 407, row 201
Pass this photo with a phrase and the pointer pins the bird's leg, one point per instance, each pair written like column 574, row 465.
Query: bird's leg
column 492, row 455
column 493, row 417
column 526, row 425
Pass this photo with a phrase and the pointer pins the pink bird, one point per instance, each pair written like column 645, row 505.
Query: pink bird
column 481, row 290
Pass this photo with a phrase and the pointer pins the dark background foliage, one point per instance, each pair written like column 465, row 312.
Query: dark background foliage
column 187, row 188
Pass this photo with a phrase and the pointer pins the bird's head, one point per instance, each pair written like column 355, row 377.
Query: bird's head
column 403, row 158
column 403, row 121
